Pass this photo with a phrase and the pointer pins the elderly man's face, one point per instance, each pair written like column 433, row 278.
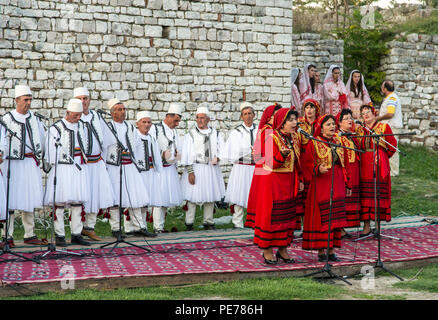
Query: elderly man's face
column 73, row 117
column 248, row 115
column 144, row 124
column 118, row 112
column 202, row 120
column 172, row 120
column 23, row 104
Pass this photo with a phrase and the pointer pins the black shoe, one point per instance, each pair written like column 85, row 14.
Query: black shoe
column 209, row 227
column 116, row 234
column 322, row 257
column 60, row 241
column 269, row 261
column 79, row 240
column 278, row 255
column 158, row 231
column 189, row 227
column 346, row 236
column 364, row 234
column 333, row 257
column 144, row 233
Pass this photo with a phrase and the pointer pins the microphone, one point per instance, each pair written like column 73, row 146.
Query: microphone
column 304, row 133
column 41, row 116
column 103, row 112
column 346, row 133
column 298, row 123
column 358, row 122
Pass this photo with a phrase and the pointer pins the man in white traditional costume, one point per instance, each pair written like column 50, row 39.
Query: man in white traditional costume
column 100, row 187
column 391, row 113
column 25, row 185
column 72, row 190
column 149, row 161
column 238, row 150
column 134, row 196
column 202, row 182
column 170, row 149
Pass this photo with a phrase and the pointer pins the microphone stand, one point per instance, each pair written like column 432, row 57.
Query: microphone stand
column 377, row 234
column 52, row 247
column 119, row 238
column 6, row 247
column 327, row 268
column 376, row 137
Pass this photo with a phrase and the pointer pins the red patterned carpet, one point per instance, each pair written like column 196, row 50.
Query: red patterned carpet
column 209, row 256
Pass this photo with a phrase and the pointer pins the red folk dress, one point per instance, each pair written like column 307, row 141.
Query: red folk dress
column 276, row 188
column 317, row 207
column 352, row 169
column 383, row 198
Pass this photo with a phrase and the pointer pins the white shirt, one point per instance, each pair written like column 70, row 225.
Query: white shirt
column 391, row 104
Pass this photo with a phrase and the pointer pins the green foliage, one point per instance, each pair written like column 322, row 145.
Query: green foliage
column 364, row 49
column 425, row 25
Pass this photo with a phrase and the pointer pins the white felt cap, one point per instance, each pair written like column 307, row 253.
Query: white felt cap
column 175, row 108
column 202, row 109
column 245, row 105
column 81, row 91
column 143, row 114
column 74, row 105
column 22, row 90
column 111, row 103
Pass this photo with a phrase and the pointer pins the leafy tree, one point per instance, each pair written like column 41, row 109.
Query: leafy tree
column 364, row 49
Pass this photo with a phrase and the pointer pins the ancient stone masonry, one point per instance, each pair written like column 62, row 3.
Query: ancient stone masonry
column 311, row 48
column 148, row 53
column 413, row 66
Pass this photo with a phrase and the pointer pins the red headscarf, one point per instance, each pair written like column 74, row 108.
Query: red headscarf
column 267, row 114
column 316, row 104
column 318, row 125
column 280, row 117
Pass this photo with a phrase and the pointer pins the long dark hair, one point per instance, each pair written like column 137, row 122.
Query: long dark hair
column 297, row 81
column 312, row 80
column 358, row 93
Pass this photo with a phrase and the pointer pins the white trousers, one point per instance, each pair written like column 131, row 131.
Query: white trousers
column 28, row 224
column 75, row 222
column 90, row 221
column 208, row 213
column 394, row 161
column 159, row 217
column 135, row 222
column 238, row 216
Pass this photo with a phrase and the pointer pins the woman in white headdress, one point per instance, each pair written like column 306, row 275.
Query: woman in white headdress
column 357, row 93
column 307, row 82
column 335, row 93
column 295, row 99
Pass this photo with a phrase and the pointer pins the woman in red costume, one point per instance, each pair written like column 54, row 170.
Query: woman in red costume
column 311, row 111
column 277, row 186
column 265, row 126
column 317, row 168
column 344, row 121
column 384, row 152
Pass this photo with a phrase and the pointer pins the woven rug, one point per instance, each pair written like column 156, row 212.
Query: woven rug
column 209, row 256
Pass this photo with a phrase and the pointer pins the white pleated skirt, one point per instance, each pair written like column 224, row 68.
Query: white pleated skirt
column 239, row 183
column 171, row 192
column 25, row 186
column 101, row 189
column 71, row 185
column 2, row 200
column 152, row 183
column 134, row 193
column 209, row 184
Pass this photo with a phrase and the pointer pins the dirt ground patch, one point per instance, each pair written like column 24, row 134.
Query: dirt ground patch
column 382, row 290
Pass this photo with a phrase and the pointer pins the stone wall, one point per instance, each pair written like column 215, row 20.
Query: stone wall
column 413, row 66
column 311, row 48
column 148, row 53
